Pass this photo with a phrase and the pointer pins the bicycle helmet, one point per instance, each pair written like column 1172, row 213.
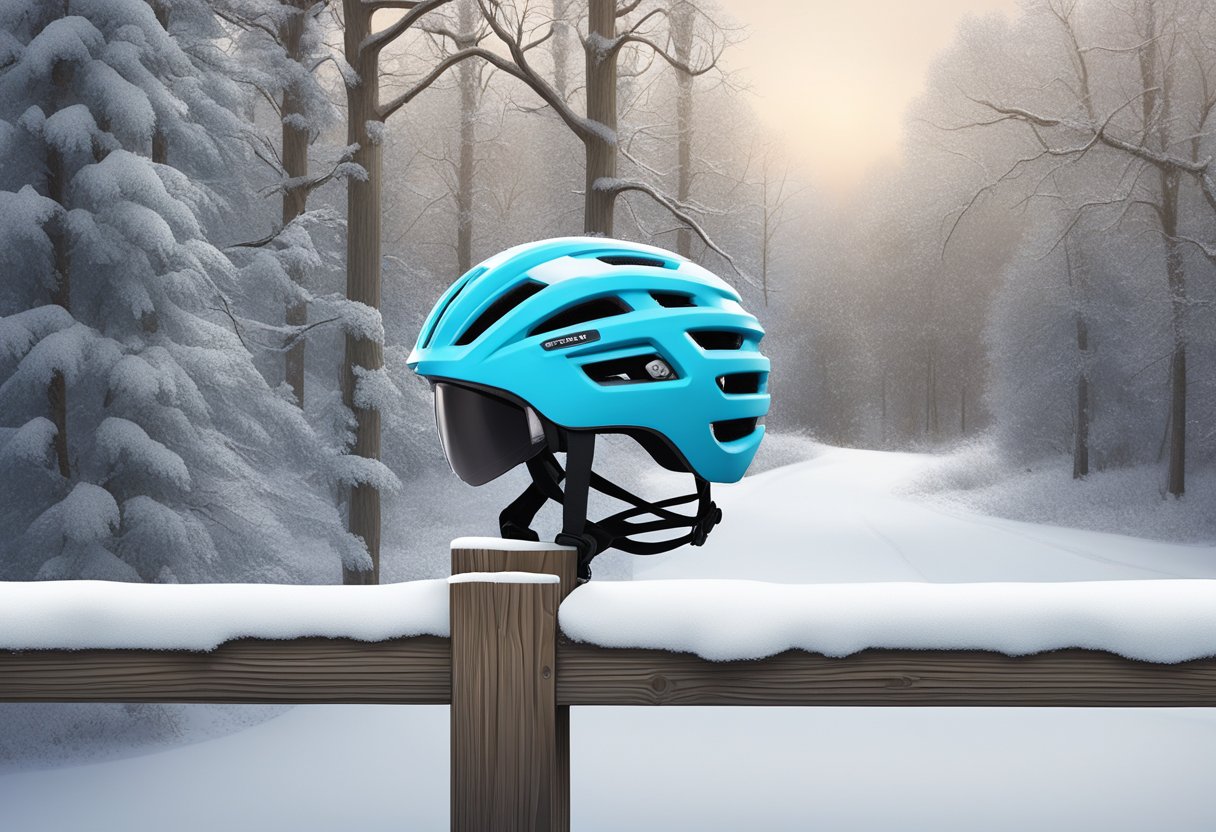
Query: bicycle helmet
column 547, row 344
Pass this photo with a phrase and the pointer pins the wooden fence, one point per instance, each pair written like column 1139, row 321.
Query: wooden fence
column 510, row 678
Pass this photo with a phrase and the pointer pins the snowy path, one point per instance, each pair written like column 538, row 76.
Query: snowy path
column 838, row 517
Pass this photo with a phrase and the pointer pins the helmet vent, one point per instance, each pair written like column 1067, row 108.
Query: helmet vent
column 431, row 333
column 732, row 429
column 632, row 260
column 672, row 300
column 592, row 310
column 498, row 309
column 634, row 369
column 713, row 339
column 740, row 383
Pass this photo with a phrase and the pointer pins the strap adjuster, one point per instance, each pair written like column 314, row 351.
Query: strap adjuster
column 705, row 524
column 586, row 545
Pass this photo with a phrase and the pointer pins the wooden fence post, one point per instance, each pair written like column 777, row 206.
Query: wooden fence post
column 510, row 739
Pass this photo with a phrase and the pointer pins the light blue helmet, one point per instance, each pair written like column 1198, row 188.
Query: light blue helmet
column 582, row 335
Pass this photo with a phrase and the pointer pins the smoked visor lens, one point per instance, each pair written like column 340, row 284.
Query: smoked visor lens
column 484, row 436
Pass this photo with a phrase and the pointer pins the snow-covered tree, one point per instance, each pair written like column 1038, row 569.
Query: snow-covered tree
column 139, row 442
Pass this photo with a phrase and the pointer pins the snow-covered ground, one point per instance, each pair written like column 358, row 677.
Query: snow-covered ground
column 844, row 516
column 976, row 477
column 838, row 517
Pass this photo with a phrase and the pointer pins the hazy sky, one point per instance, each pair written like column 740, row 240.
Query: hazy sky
column 834, row 76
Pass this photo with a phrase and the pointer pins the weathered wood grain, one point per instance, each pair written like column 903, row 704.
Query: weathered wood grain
column 505, row 756
column 407, row 671
column 589, row 675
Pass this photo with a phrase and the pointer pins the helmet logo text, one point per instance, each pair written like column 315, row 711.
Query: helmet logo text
column 584, row 337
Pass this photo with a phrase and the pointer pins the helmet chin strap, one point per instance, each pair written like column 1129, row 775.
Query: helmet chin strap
column 613, row 532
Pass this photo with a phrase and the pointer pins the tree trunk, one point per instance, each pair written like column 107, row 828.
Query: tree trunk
column 1080, row 449
column 682, row 22
column 884, row 409
column 1156, row 79
column 931, row 413
column 469, row 80
column 962, row 411
column 1081, row 415
column 61, row 293
column 764, row 237
column 363, row 274
column 561, row 47
column 160, row 142
column 295, row 141
column 1176, row 275
column 160, row 152
column 601, row 142
column 937, row 427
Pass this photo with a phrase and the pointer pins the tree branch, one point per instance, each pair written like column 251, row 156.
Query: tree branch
column 1208, row 251
column 377, row 5
column 676, row 63
column 620, row 186
column 377, row 41
column 520, row 68
column 443, row 66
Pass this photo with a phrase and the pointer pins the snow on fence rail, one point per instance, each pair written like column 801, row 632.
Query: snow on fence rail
column 489, row 644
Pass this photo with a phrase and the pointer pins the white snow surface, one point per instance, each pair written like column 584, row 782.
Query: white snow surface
column 508, row 545
column 503, row 578
column 1157, row 621
column 75, row 615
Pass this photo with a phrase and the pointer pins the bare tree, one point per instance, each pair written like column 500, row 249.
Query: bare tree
column 775, row 195
column 472, row 79
column 597, row 128
column 1148, row 135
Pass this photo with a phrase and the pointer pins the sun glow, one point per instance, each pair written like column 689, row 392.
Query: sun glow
column 834, row 79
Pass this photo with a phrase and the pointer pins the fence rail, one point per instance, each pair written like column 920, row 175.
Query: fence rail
column 418, row 671
column 408, row 671
column 589, row 675
column 511, row 678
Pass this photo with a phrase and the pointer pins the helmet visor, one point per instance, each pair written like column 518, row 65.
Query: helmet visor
column 484, row 436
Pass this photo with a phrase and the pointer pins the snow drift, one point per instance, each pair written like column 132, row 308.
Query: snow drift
column 1154, row 620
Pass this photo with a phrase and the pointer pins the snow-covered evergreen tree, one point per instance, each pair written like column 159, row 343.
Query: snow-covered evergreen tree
column 137, row 440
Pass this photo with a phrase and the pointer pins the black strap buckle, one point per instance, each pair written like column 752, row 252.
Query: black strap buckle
column 705, row 524
column 587, row 547
column 584, row 543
